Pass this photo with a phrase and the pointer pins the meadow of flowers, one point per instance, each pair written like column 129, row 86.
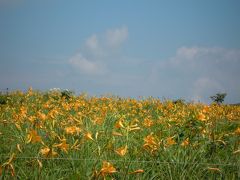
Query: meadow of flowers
column 50, row 135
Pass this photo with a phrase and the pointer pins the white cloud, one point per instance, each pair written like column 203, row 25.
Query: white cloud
column 93, row 48
column 188, row 53
column 193, row 73
column 97, row 50
column 115, row 37
column 199, row 72
column 203, row 86
column 86, row 66
column 106, row 44
column 92, row 42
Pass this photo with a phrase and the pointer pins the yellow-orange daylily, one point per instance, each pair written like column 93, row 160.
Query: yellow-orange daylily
column 185, row 142
column 31, row 118
column 119, row 124
column 98, row 120
column 23, row 112
column 147, row 122
column 72, row 130
column 205, row 109
column 237, row 131
column 47, row 152
column 170, row 141
column 121, row 151
column 33, row 137
column 88, row 136
column 201, row 117
column 42, row 116
column 63, row 145
column 150, row 143
column 107, row 168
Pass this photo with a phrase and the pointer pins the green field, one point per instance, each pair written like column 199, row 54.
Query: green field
column 53, row 135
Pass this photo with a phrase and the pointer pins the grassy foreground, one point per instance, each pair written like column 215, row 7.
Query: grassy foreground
column 54, row 136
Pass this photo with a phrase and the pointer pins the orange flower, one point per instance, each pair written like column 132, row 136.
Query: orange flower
column 98, row 120
column 42, row 116
column 119, row 124
column 107, row 168
column 63, row 146
column 170, row 141
column 88, row 136
column 150, row 143
column 33, row 137
column 52, row 114
column 147, row 122
column 23, row 111
column 185, row 142
column 150, row 140
column 121, row 151
column 47, row 152
column 201, row 117
column 237, row 131
column 32, row 118
column 72, row 130
column 205, row 109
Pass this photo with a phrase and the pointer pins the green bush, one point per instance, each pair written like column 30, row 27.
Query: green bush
column 3, row 99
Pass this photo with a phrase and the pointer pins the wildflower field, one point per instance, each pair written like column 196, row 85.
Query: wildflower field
column 48, row 135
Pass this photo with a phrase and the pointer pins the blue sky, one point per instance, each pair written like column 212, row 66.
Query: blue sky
column 168, row 49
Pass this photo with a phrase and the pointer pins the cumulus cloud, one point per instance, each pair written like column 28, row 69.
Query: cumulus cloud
column 86, row 66
column 97, row 50
column 203, row 86
column 193, row 73
column 187, row 53
column 198, row 72
column 115, row 37
column 92, row 42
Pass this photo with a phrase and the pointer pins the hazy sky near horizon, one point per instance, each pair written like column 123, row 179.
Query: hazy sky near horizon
column 168, row 49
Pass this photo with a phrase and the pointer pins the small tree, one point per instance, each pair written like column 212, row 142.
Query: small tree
column 218, row 98
column 67, row 94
